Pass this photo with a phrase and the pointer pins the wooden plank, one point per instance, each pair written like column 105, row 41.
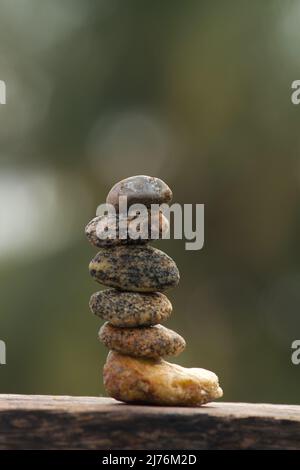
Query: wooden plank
column 58, row 422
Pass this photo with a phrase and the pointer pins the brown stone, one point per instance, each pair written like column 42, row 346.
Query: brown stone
column 140, row 189
column 104, row 230
column 152, row 341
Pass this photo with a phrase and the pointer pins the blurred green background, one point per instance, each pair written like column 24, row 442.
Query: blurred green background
column 196, row 93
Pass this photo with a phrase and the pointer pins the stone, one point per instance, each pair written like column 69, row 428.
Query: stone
column 157, row 382
column 149, row 341
column 134, row 268
column 130, row 309
column 140, row 189
column 104, row 230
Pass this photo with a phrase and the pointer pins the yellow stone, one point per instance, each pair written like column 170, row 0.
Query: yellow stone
column 151, row 381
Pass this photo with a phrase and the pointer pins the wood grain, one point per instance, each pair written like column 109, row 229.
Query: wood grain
column 59, row 422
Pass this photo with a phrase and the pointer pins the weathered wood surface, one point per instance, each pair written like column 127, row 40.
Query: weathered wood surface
column 58, row 422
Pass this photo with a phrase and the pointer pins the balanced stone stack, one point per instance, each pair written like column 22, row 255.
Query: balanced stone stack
column 134, row 307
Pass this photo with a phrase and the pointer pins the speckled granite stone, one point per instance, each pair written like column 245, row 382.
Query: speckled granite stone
column 104, row 230
column 152, row 341
column 140, row 189
column 130, row 309
column 134, row 268
column 150, row 381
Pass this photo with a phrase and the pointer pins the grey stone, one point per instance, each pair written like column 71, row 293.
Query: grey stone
column 134, row 268
column 130, row 309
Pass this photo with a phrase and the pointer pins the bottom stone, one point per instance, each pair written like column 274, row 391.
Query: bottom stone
column 157, row 382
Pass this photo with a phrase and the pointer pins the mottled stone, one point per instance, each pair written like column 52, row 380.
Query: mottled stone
column 134, row 268
column 149, row 341
column 150, row 381
column 140, row 189
column 131, row 309
column 104, row 230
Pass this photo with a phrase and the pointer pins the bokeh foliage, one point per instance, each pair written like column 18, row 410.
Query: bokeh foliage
column 197, row 93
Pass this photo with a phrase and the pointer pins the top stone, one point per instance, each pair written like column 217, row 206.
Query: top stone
column 140, row 189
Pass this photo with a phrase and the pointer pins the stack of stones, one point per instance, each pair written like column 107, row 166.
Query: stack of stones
column 134, row 307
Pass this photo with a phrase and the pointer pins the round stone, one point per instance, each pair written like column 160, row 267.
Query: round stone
column 134, row 268
column 140, row 189
column 104, row 230
column 152, row 341
column 131, row 309
column 157, row 382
